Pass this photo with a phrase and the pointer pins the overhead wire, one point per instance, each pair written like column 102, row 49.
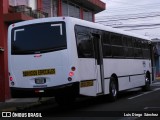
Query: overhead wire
column 129, row 9
column 129, row 18
column 149, row 11
column 143, row 6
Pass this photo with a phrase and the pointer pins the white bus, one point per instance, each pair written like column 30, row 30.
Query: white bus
column 66, row 57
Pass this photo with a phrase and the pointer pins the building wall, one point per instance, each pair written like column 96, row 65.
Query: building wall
column 32, row 4
column 8, row 16
column 4, row 88
column 69, row 8
column 50, row 6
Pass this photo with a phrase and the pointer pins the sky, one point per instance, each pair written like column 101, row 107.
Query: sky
column 114, row 7
column 144, row 13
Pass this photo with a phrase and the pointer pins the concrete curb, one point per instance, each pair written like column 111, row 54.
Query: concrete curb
column 24, row 107
column 17, row 108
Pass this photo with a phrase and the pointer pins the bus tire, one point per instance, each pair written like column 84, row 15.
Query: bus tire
column 113, row 89
column 147, row 86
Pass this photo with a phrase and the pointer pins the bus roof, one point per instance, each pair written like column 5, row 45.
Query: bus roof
column 107, row 28
column 77, row 21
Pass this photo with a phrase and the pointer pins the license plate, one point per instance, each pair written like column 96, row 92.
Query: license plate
column 40, row 80
column 39, row 72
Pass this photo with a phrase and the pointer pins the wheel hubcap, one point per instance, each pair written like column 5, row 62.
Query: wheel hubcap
column 147, row 81
column 114, row 90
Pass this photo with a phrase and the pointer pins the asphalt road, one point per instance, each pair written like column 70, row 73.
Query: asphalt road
column 132, row 104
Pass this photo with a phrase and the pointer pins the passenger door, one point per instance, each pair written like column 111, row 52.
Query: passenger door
column 98, row 54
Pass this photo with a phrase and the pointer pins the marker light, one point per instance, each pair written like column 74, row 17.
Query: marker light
column 71, row 74
column 37, row 55
column 73, row 68
column 13, row 25
column 39, row 91
column 69, row 79
column 11, row 78
column 12, row 83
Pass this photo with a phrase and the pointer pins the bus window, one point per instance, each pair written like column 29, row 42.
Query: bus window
column 117, row 47
column 137, row 48
column 39, row 38
column 107, row 49
column 106, row 38
column 146, row 50
column 128, row 47
column 116, row 39
column 84, row 46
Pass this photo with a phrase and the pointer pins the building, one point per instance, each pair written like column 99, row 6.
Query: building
column 12, row 11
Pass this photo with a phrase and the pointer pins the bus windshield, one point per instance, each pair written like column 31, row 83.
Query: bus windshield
column 38, row 38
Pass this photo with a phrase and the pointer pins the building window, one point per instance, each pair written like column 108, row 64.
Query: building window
column 50, row 7
column 65, row 8
column 70, row 9
column 87, row 15
column 18, row 2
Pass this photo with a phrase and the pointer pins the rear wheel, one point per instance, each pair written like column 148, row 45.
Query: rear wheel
column 113, row 88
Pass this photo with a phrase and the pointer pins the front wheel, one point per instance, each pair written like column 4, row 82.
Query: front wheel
column 113, row 88
column 147, row 86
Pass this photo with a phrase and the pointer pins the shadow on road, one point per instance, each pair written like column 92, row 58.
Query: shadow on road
column 82, row 107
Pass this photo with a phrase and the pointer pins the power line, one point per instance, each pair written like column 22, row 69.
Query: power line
column 126, row 15
column 136, row 26
column 155, row 5
column 129, row 18
column 141, row 28
column 119, row 2
column 145, row 7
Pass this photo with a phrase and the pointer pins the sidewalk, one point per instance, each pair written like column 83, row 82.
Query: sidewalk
column 15, row 104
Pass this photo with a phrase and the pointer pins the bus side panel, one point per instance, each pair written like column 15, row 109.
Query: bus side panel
column 85, row 67
column 87, row 75
column 129, row 75
column 124, row 83
column 138, row 80
column 106, row 86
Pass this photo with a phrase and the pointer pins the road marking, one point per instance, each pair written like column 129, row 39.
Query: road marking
column 144, row 93
column 151, row 108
